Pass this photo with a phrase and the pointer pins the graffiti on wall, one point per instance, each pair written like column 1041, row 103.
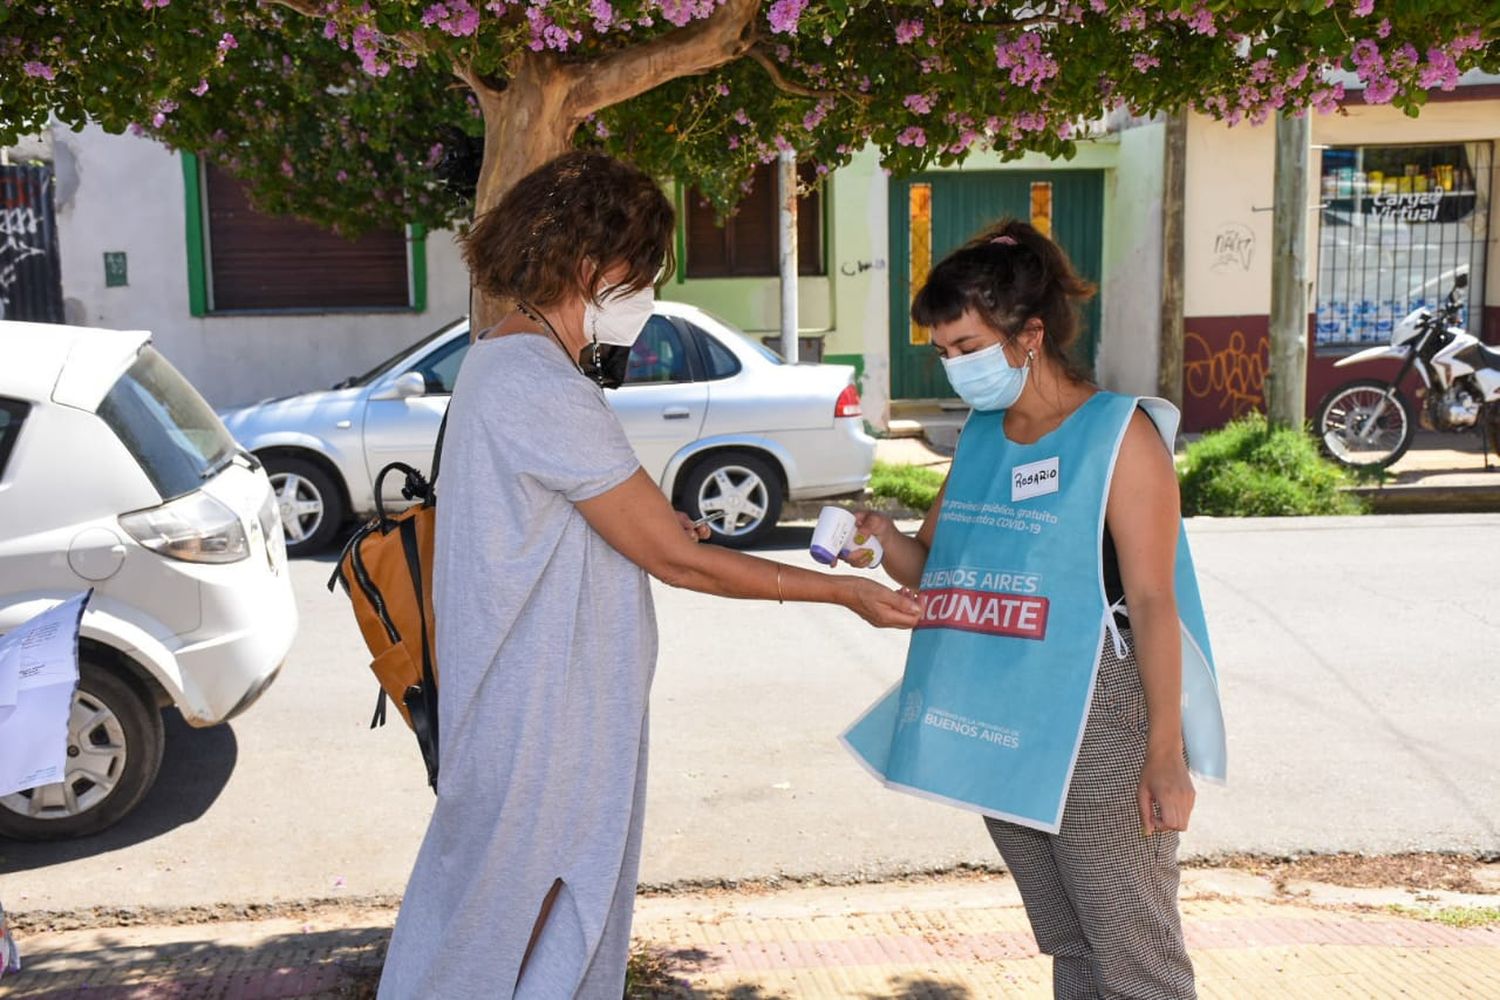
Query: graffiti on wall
column 1234, row 248
column 30, row 274
column 20, row 227
column 1229, row 378
column 853, row 268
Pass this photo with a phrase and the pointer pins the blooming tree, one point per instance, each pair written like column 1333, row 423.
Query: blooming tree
column 339, row 109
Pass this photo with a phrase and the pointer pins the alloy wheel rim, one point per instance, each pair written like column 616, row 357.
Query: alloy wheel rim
column 97, row 755
column 301, row 506
column 736, row 499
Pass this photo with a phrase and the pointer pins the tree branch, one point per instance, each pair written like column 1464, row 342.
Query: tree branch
column 309, row 7
column 764, row 60
column 636, row 69
column 412, row 40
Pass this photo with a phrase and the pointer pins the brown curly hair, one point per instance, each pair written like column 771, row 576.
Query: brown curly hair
column 582, row 206
column 1007, row 275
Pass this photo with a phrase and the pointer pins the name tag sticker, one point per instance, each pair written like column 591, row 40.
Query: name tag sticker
column 1034, row 479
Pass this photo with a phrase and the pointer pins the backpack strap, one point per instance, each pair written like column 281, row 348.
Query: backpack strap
column 422, row 700
column 437, row 450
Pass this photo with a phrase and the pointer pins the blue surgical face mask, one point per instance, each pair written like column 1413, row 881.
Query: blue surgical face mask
column 985, row 379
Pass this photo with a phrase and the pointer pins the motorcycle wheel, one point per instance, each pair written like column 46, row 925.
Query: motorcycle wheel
column 1353, row 434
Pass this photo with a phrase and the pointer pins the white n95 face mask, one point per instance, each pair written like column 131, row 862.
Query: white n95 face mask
column 619, row 316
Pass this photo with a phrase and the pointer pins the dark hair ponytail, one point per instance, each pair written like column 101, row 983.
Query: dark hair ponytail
column 1008, row 275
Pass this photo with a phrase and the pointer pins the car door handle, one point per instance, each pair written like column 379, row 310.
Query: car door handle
column 676, row 413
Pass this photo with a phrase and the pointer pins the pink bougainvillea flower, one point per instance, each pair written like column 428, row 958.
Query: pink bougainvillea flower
column 919, row 103
column 784, row 16
column 1380, row 90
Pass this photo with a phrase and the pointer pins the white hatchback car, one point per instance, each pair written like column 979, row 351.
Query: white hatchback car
column 726, row 428
column 115, row 474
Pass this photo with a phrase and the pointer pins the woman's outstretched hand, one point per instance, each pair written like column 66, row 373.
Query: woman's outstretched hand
column 882, row 606
column 695, row 532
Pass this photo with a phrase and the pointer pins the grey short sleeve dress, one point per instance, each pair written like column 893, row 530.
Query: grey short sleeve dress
column 546, row 646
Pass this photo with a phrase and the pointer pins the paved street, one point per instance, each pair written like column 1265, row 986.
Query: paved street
column 1359, row 666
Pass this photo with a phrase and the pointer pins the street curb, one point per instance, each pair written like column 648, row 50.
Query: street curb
column 1429, row 499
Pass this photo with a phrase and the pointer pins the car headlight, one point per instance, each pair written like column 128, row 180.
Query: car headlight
column 194, row 528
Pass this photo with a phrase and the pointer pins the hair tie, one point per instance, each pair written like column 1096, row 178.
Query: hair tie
column 1005, row 241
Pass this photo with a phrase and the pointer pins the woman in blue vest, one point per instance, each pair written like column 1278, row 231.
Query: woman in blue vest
column 1062, row 633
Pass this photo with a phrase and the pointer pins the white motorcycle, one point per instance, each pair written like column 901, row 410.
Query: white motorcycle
column 1368, row 424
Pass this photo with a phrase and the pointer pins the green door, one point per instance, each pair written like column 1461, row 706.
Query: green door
column 932, row 214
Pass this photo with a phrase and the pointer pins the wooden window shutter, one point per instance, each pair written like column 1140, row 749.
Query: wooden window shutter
column 746, row 245
column 263, row 262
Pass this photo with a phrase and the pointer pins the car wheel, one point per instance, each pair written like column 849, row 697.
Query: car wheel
column 740, row 492
column 312, row 508
column 115, row 743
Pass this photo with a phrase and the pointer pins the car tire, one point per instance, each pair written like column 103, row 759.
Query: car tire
column 734, row 475
column 312, row 505
column 127, row 740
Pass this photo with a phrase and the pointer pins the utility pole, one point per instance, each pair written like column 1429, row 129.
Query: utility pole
column 1286, row 383
column 786, row 192
column 1173, row 306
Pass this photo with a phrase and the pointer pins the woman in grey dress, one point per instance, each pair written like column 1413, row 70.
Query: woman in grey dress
column 546, row 636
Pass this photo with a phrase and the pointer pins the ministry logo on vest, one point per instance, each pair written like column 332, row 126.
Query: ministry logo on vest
column 1033, row 479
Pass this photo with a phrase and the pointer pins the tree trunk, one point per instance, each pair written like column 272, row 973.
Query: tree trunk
column 526, row 124
column 1173, row 205
column 533, row 116
column 1286, row 388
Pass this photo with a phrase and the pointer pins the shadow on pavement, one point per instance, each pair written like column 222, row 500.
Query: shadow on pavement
column 335, row 963
column 785, row 538
column 195, row 768
column 666, row 974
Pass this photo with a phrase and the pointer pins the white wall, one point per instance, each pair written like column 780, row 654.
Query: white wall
column 122, row 193
column 1130, row 324
column 1227, row 229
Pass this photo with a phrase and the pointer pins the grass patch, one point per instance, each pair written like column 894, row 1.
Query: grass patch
column 1462, row 917
column 909, row 485
column 1250, row 469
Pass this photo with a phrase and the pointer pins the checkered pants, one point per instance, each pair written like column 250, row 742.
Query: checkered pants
column 1102, row 898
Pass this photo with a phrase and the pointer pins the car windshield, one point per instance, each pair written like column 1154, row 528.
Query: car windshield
column 755, row 345
column 355, row 381
column 166, row 426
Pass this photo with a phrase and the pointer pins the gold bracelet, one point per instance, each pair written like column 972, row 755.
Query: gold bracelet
column 780, row 596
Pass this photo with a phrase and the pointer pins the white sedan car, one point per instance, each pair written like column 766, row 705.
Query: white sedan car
column 115, row 474
column 726, row 428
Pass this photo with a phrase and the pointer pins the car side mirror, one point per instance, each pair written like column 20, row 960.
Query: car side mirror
column 406, row 386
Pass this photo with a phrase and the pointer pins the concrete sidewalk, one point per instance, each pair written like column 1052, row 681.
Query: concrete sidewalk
column 956, row 937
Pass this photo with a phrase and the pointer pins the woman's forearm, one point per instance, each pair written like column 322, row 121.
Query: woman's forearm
column 1158, row 652
column 724, row 573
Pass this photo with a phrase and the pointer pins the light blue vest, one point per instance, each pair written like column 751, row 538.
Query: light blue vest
column 990, row 713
